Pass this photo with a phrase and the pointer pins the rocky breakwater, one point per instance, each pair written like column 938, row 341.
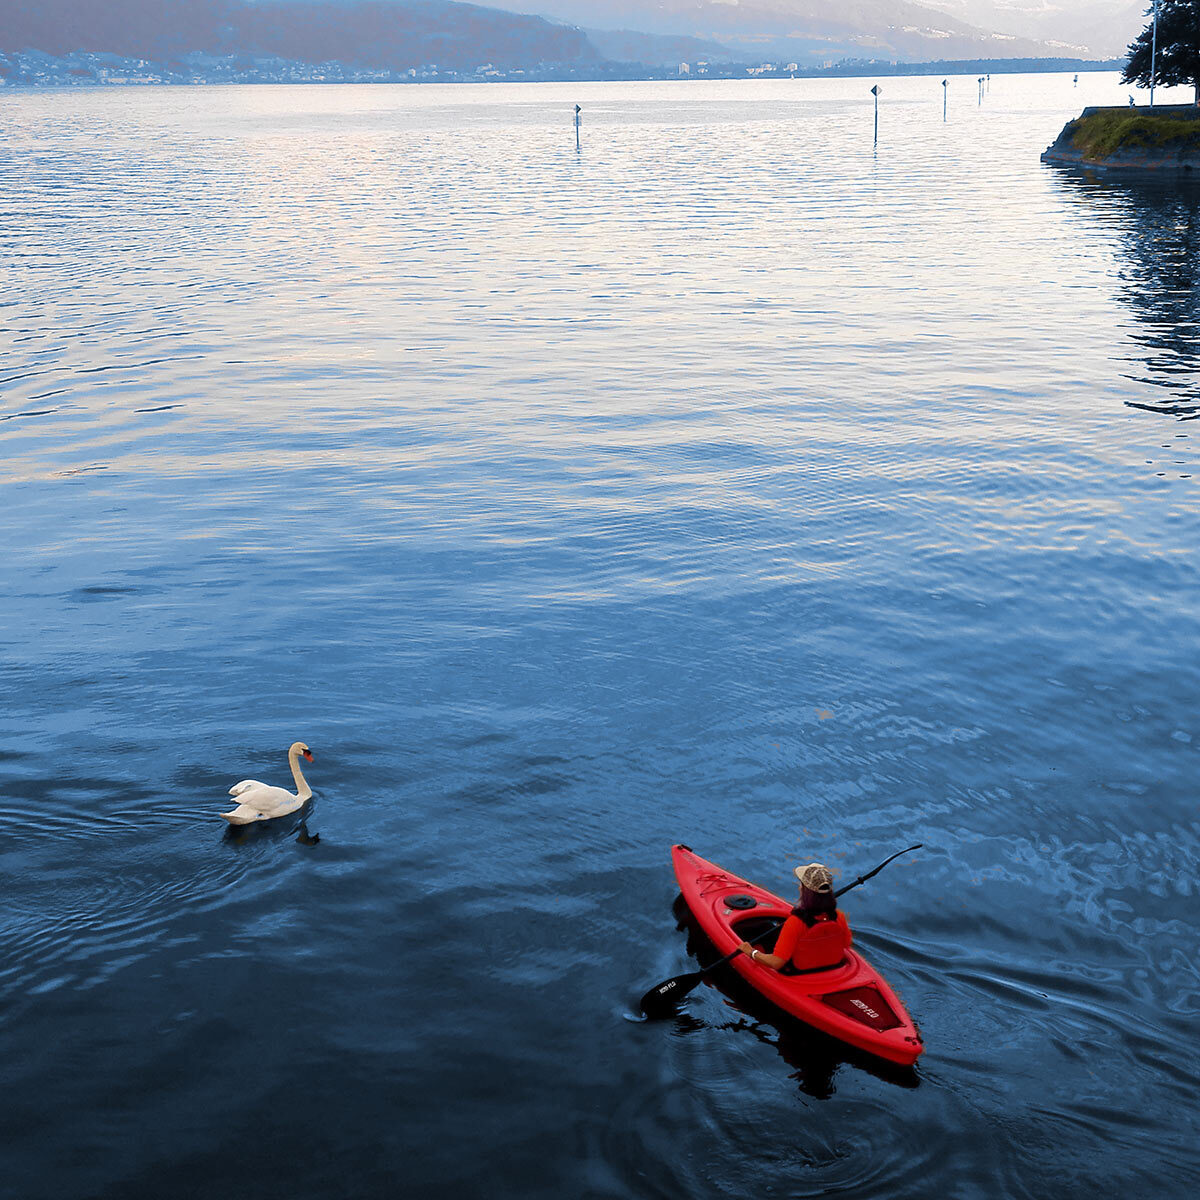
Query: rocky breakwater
column 1164, row 140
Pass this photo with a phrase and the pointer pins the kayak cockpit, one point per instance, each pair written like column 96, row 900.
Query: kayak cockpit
column 762, row 932
column 752, row 927
column 864, row 1004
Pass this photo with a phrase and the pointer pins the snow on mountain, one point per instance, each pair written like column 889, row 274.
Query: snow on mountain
column 1104, row 27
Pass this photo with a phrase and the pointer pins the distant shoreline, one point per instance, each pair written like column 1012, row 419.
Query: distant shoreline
column 29, row 70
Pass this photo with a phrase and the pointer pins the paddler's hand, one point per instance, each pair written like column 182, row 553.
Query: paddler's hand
column 746, row 949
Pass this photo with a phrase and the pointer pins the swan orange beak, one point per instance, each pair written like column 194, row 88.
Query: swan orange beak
column 308, row 755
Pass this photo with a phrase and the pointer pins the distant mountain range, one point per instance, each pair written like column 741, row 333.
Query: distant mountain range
column 809, row 31
column 390, row 37
column 395, row 34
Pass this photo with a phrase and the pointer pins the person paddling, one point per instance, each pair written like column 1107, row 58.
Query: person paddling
column 816, row 935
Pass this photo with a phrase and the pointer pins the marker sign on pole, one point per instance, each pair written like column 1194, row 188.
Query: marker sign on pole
column 945, row 93
column 578, row 110
column 875, row 92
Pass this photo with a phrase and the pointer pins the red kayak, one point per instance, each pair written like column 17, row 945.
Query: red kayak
column 849, row 1001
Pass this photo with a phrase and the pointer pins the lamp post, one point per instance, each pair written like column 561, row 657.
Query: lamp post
column 1153, row 53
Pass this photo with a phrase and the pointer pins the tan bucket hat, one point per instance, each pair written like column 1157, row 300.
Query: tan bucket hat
column 815, row 877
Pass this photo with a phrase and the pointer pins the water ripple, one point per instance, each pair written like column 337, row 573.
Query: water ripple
column 731, row 481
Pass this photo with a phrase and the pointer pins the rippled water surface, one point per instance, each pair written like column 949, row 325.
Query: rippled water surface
column 723, row 481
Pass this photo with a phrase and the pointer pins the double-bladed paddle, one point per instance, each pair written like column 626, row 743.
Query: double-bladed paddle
column 660, row 1000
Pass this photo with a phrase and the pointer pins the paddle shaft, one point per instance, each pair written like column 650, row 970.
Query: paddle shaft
column 870, row 874
column 758, row 937
column 659, row 999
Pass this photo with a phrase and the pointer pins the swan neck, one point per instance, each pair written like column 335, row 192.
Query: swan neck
column 303, row 791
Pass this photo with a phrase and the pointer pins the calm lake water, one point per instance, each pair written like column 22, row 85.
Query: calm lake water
column 726, row 481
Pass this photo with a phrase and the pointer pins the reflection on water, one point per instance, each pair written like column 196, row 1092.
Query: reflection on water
column 1158, row 226
column 279, row 828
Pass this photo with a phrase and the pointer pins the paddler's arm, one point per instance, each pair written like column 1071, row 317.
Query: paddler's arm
column 761, row 956
column 785, row 943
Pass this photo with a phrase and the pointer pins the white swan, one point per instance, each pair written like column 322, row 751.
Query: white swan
column 260, row 802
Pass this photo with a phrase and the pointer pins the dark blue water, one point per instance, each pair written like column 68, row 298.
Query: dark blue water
column 725, row 482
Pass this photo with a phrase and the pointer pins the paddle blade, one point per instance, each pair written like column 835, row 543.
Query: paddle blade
column 660, row 1001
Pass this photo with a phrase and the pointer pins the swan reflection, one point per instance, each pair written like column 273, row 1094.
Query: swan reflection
column 273, row 832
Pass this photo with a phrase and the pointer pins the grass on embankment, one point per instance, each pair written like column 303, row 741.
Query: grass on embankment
column 1101, row 134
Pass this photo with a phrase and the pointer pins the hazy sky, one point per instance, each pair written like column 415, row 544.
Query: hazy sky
column 803, row 28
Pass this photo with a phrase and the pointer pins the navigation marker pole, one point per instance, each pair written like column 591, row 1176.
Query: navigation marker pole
column 578, row 110
column 1153, row 53
column 945, row 93
column 875, row 93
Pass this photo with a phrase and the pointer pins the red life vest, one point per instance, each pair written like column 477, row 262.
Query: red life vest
column 821, row 944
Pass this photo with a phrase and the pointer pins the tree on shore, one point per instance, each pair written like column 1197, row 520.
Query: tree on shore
column 1178, row 57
